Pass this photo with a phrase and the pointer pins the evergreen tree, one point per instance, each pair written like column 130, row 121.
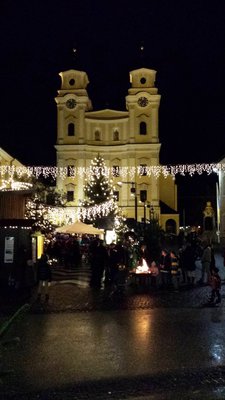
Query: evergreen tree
column 100, row 207
column 43, row 198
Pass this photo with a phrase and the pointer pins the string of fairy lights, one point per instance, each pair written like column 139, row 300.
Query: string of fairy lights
column 14, row 178
column 124, row 172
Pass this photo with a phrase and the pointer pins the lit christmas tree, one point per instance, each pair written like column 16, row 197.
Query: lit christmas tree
column 100, row 207
column 38, row 207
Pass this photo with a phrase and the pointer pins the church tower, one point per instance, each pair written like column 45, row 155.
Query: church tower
column 143, row 103
column 126, row 140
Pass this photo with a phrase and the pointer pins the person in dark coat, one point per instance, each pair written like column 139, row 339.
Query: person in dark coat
column 114, row 259
column 189, row 262
column 165, row 268
column 99, row 262
column 206, row 263
column 44, row 276
column 118, row 264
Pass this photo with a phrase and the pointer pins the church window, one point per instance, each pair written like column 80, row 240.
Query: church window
column 116, row 170
column 70, row 195
column 142, row 80
column 72, row 82
column 143, row 195
column 70, row 171
column 71, row 129
column 143, row 169
column 116, row 136
column 97, row 136
column 143, row 128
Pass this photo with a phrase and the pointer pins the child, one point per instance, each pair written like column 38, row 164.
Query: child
column 215, row 283
column 154, row 274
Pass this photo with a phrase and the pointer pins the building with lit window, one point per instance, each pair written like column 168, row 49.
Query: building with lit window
column 128, row 141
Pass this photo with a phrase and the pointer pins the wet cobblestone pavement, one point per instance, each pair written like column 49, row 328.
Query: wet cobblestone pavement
column 67, row 297
column 201, row 384
column 205, row 384
column 183, row 383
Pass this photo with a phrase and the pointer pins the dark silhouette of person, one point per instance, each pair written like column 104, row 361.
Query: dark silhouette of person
column 44, row 276
column 99, row 262
column 215, row 283
column 165, row 268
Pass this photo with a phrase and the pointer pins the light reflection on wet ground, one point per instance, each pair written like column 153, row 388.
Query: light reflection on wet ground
column 62, row 348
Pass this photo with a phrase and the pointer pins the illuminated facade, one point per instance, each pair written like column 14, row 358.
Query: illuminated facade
column 123, row 139
column 220, row 204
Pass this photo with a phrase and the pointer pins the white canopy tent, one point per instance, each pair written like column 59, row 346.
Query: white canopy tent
column 80, row 228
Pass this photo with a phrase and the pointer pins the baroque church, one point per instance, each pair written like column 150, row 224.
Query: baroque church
column 124, row 139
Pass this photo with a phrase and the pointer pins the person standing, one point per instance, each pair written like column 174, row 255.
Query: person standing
column 206, row 262
column 114, row 260
column 189, row 263
column 154, row 270
column 99, row 262
column 175, row 270
column 44, row 276
column 215, row 283
column 165, row 270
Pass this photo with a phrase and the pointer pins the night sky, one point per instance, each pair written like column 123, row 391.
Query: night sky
column 183, row 41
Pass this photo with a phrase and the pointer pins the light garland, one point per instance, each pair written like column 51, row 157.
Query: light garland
column 10, row 184
column 16, row 227
column 123, row 172
column 98, row 210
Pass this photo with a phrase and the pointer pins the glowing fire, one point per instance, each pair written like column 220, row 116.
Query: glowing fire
column 143, row 268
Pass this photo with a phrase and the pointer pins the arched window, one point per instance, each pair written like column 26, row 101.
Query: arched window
column 143, row 170
column 71, row 171
column 71, row 129
column 116, row 136
column 70, row 195
column 115, row 170
column 97, row 136
column 143, row 128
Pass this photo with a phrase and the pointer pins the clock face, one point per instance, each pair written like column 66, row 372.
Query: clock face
column 71, row 103
column 142, row 101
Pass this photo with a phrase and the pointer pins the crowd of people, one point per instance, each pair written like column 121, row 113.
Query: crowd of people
column 115, row 264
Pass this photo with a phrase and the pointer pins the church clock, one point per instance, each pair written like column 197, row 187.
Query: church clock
column 142, row 101
column 71, row 103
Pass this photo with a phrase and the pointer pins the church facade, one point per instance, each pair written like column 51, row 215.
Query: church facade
column 126, row 140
